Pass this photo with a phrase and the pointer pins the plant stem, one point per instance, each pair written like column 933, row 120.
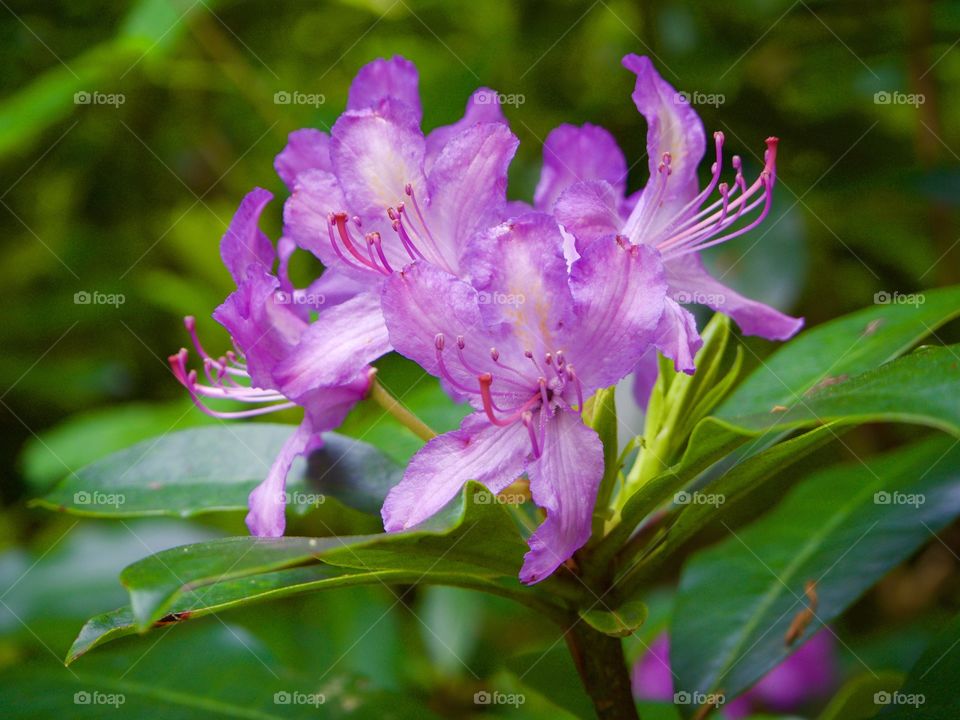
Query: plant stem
column 603, row 669
column 384, row 398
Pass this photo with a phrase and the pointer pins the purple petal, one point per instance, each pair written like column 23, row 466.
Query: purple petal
column 375, row 156
column 244, row 244
column 468, row 187
column 645, row 376
column 424, row 301
column 336, row 286
column 810, row 673
column 574, row 154
column 263, row 326
column 652, row 678
column 677, row 337
column 382, row 80
column 619, row 290
column 335, row 347
column 564, row 482
column 307, row 149
column 672, row 126
column 589, row 211
column 521, row 273
column 267, row 501
column 316, row 194
column 494, row 456
column 690, row 282
column 328, row 407
column 482, row 107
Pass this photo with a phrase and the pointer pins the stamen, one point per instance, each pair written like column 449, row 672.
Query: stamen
column 373, row 242
column 694, row 233
column 336, row 247
column 340, row 221
column 485, row 381
column 527, row 418
column 440, row 343
column 572, row 375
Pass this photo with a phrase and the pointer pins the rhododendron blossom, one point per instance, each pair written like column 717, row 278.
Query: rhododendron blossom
column 526, row 367
column 584, row 175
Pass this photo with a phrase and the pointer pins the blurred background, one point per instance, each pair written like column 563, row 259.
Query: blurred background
column 130, row 131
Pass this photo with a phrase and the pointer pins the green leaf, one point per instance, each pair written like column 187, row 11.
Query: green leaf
column 855, row 700
column 481, row 541
column 848, row 345
column 737, row 599
column 213, row 469
column 622, row 622
column 89, row 436
column 918, row 388
column 930, row 690
column 602, row 413
column 700, row 508
column 209, row 599
column 551, row 673
column 206, row 671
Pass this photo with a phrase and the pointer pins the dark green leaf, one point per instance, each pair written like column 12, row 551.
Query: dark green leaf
column 921, row 388
column 481, row 541
column 857, row 699
column 847, row 346
column 842, row 529
column 213, row 469
column 930, row 690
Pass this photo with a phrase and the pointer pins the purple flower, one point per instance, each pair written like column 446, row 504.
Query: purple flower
column 808, row 675
column 268, row 320
column 377, row 194
column 583, row 182
column 525, row 342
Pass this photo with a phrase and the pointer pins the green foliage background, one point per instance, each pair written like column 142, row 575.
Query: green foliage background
column 133, row 199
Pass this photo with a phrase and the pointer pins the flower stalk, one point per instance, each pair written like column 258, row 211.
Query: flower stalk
column 385, row 399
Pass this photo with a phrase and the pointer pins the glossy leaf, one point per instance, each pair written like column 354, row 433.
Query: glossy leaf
column 209, row 599
column 212, row 671
column 847, row 346
column 930, row 690
column 919, row 388
column 480, row 541
column 843, row 529
column 213, row 469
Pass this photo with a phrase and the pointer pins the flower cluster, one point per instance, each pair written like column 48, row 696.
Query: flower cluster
column 416, row 236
